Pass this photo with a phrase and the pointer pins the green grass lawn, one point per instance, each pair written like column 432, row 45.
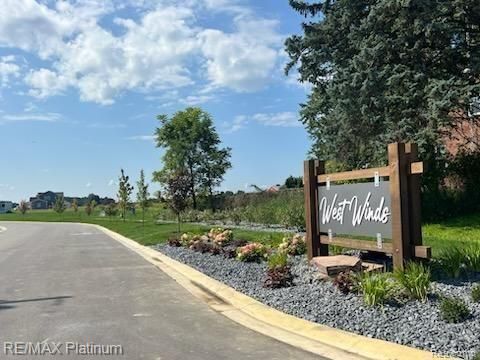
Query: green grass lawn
column 148, row 234
column 439, row 236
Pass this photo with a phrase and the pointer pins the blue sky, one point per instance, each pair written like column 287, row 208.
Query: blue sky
column 81, row 83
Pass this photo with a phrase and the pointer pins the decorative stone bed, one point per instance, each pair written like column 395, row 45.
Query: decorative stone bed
column 411, row 323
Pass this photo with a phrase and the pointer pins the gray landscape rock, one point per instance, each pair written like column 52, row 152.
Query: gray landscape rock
column 412, row 323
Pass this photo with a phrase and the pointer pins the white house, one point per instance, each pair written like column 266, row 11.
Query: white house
column 5, row 206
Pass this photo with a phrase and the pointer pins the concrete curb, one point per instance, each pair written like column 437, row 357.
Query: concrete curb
column 312, row 337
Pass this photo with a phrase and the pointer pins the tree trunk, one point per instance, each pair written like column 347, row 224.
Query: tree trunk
column 178, row 224
column 192, row 187
column 212, row 202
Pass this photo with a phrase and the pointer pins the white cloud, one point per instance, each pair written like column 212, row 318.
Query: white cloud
column 46, row 117
column 99, row 125
column 192, row 100
column 244, row 60
column 8, row 69
column 160, row 50
column 284, row 119
column 88, row 184
column 142, row 137
column 280, row 119
column 112, row 182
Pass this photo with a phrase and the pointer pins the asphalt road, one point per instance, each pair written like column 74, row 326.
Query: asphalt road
column 64, row 286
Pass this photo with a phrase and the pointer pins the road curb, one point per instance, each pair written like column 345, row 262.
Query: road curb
column 303, row 334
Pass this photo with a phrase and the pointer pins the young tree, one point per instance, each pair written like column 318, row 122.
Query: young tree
column 111, row 210
column 142, row 195
column 384, row 71
column 75, row 205
column 177, row 190
column 192, row 146
column 89, row 207
column 59, row 206
column 124, row 192
column 23, row 207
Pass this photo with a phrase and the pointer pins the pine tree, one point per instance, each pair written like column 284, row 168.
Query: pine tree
column 384, row 71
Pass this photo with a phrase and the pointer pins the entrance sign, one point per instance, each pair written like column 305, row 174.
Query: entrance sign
column 386, row 209
column 356, row 209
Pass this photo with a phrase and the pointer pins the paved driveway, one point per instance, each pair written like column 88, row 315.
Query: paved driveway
column 69, row 285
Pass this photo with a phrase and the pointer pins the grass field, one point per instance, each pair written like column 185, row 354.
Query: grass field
column 148, row 234
column 439, row 236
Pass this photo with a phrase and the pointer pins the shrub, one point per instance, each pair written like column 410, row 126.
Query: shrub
column 415, row 280
column 252, row 252
column 230, row 251
column 174, row 241
column 278, row 271
column 278, row 259
column 220, row 236
column 187, row 239
column 453, row 310
column 295, row 245
column 472, row 257
column 476, row 293
column 476, row 356
column 376, row 288
column 200, row 245
column 293, row 217
column 344, row 282
column 452, row 261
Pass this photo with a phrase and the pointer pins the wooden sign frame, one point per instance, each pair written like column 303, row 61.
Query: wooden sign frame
column 404, row 171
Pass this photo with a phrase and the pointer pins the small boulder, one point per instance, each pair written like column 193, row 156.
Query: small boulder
column 332, row 265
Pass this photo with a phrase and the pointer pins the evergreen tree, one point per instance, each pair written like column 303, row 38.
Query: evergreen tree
column 384, row 71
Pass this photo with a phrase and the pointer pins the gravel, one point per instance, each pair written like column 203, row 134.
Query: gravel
column 411, row 323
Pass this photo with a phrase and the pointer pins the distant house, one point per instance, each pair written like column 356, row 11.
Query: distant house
column 5, row 206
column 44, row 200
column 37, row 204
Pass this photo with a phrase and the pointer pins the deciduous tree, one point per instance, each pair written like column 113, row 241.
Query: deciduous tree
column 142, row 195
column 59, row 206
column 124, row 192
column 75, row 205
column 23, row 207
column 192, row 146
column 177, row 191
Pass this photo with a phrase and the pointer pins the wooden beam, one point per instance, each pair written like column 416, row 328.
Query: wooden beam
column 398, row 161
column 354, row 175
column 414, row 201
column 310, row 188
column 416, row 167
column 423, row 252
column 356, row 244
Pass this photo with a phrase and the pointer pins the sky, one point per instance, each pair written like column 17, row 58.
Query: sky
column 82, row 81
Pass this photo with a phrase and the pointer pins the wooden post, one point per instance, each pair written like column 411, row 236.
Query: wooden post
column 312, row 168
column 414, row 184
column 397, row 160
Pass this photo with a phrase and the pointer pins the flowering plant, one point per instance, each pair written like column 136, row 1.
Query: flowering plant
column 252, row 252
column 295, row 245
column 220, row 236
